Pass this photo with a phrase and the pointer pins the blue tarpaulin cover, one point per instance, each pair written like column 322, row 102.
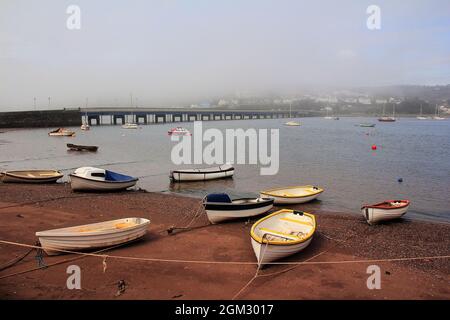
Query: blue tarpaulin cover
column 114, row 176
column 218, row 197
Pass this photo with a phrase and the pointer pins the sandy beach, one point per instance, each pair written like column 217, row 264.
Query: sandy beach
column 25, row 209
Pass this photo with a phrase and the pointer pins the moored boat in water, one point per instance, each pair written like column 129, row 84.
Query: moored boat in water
column 30, row 176
column 223, row 171
column 76, row 147
column 297, row 194
column 386, row 210
column 367, row 125
column 96, row 179
column 292, row 124
column 219, row 207
column 129, row 125
column 179, row 131
column 61, row 132
column 92, row 236
column 281, row 234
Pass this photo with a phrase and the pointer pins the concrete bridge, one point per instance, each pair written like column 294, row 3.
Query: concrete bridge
column 116, row 116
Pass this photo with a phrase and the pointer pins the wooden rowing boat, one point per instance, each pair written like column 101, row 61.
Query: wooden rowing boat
column 219, row 207
column 61, row 132
column 223, row 171
column 298, row 194
column 31, row 176
column 281, row 234
column 386, row 210
column 92, row 236
column 96, row 179
column 76, row 147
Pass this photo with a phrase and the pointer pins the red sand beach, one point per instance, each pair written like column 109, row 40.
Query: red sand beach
column 25, row 209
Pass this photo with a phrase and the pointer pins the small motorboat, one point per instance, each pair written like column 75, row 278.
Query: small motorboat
column 76, row 147
column 422, row 118
column 179, row 131
column 96, row 179
column 85, row 127
column 31, row 176
column 92, row 236
column 299, row 194
column 219, row 207
column 223, row 171
column 61, row 132
column 130, row 126
column 281, row 234
column 292, row 124
column 367, row 125
column 387, row 119
column 387, row 210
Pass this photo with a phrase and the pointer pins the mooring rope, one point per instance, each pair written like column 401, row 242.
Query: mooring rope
column 65, row 261
column 198, row 212
column 230, row 262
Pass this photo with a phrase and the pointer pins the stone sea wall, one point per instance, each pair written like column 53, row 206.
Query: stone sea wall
column 39, row 119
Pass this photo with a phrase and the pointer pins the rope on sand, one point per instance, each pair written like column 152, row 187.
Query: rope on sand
column 94, row 254
column 257, row 274
column 63, row 261
column 198, row 212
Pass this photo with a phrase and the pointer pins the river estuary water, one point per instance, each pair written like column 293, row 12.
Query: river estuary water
column 335, row 155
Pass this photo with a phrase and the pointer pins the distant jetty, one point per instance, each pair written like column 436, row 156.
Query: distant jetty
column 119, row 116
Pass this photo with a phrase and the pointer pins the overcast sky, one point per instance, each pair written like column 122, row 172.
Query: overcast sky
column 172, row 51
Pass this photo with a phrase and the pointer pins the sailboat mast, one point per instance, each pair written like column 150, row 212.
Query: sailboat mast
column 290, row 109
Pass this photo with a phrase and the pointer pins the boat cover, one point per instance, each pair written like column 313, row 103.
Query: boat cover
column 218, row 197
column 114, row 176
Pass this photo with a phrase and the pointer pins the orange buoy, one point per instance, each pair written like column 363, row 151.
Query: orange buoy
column 374, row 147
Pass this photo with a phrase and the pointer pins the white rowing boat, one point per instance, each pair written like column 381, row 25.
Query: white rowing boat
column 96, row 179
column 129, row 125
column 282, row 234
column 383, row 211
column 61, row 132
column 298, row 194
column 223, row 171
column 31, row 176
column 92, row 236
column 219, row 207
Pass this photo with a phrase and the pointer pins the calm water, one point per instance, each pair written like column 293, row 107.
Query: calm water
column 335, row 155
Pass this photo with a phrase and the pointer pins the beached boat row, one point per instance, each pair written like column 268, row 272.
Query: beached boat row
column 97, row 180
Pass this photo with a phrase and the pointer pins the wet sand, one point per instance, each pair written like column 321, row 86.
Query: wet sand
column 25, row 209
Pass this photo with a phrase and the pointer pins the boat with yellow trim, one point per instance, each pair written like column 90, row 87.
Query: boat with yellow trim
column 297, row 194
column 281, row 234
column 292, row 124
column 30, row 176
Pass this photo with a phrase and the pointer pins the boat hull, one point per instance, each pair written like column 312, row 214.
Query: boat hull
column 75, row 147
column 201, row 175
column 7, row 177
column 84, row 184
column 284, row 200
column 62, row 134
column 220, row 213
column 377, row 215
column 266, row 253
column 51, row 243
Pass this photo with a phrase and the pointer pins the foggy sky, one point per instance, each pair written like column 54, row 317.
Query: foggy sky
column 168, row 52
